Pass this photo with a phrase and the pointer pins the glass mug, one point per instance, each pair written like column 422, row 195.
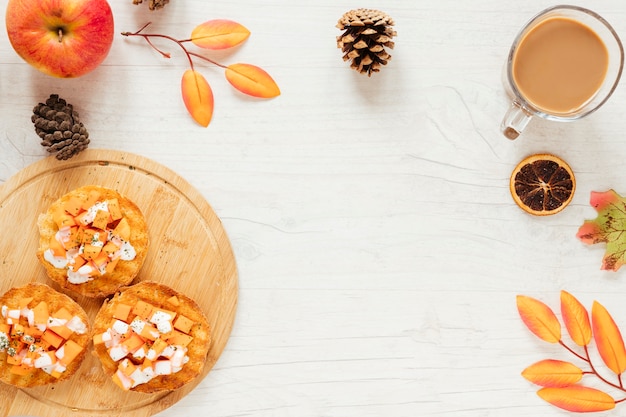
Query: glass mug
column 563, row 65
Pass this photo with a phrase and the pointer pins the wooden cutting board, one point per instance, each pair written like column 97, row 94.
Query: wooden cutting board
column 189, row 251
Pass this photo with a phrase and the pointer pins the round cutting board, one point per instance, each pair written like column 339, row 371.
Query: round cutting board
column 189, row 251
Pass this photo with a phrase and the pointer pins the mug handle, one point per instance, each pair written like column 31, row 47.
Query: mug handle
column 515, row 120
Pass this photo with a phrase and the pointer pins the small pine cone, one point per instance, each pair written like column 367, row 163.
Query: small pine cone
column 153, row 4
column 367, row 33
column 57, row 124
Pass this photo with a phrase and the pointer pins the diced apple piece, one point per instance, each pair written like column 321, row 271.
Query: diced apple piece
column 133, row 342
column 83, row 219
column 62, row 219
column 122, row 311
column 149, row 332
column 78, row 262
column 56, row 247
column 68, row 352
column 126, row 367
column 92, row 236
column 101, row 219
column 41, row 313
column 143, row 309
column 98, row 339
column 183, row 324
column 91, row 251
column 155, row 350
column 92, row 199
column 52, row 339
column 114, row 209
column 88, row 236
column 122, row 230
column 122, row 380
column 75, row 238
column 111, row 265
column 100, row 260
column 16, row 330
column 73, row 205
column 177, row 338
column 62, row 331
column 34, row 332
column 110, row 248
column 147, row 364
column 62, row 314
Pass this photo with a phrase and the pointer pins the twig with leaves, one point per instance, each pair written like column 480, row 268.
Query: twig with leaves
column 561, row 380
column 214, row 35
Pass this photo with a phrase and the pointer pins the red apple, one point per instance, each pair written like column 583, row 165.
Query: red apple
column 63, row 38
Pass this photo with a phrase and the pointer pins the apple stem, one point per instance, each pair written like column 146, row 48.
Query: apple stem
column 60, row 35
column 179, row 42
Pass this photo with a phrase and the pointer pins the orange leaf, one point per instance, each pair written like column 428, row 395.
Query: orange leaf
column 539, row 319
column 577, row 398
column 553, row 373
column 252, row 80
column 197, row 96
column 219, row 34
column 608, row 339
column 576, row 319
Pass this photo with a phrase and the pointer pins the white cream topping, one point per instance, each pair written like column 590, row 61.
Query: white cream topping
column 76, row 325
column 91, row 211
column 56, row 261
column 127, row 252
column 77, row 277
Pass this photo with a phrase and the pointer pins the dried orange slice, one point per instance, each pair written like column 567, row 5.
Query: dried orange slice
column 542, row 184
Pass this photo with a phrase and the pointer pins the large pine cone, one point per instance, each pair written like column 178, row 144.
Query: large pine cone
column 57, row 124
column 367, row 33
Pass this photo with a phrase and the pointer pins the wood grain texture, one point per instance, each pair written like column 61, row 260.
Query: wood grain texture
column 189, row 252
column 378, row 249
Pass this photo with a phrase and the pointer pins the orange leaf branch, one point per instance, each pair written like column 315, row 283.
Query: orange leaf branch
column 593, row 370
column 560, row 379
column 147, row 37
column 213, row 34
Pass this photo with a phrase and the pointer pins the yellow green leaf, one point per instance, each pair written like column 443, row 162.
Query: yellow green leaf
column 608, row 339
column 577, row 398
column 608, row 227
column 576, row 319
column 553, row 373
column 252, row 80
column 539, row 319
column 198, row 97
column 219, row 34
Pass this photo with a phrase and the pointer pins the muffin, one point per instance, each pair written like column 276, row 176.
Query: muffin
column 43, row 336
column 151, row 338
column 93, row 241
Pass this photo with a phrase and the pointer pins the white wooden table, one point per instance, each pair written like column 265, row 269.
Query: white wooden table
column 379, row 250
